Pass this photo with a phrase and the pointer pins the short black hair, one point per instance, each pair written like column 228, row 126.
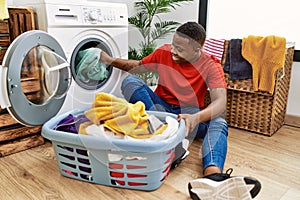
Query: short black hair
column 192, row 30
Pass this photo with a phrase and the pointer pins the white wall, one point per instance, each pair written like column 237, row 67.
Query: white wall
column 9, row 2
column 267, row 17
column 293, row 106
column 237, row 19
column 187, row 11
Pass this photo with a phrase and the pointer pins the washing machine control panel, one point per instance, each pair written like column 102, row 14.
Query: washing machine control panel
column 102, row 16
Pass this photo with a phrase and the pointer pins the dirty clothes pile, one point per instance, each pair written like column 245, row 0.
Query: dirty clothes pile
column 113, row 117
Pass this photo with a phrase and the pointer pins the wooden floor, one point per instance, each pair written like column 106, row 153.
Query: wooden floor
column 275, row 161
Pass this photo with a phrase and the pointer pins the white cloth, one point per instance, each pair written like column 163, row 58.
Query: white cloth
column 170, row 130
column 98, row 130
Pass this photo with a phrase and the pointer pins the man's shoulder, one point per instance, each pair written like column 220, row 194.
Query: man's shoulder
column 165, row 47
column 162, row 51
column 209, row 62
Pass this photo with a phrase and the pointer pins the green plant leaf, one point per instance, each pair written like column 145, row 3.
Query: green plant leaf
column 161, row 29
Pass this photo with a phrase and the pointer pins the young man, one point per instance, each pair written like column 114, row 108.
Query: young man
column 186, row 74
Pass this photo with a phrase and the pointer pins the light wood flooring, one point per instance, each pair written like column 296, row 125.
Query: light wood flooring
column 275, row 161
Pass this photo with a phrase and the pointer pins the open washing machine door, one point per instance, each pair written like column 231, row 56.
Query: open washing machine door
column 37, row 58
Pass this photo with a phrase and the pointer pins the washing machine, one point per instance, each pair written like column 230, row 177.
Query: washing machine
column 50, row 55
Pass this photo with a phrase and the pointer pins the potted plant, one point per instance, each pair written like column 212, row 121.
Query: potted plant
column 152, row 28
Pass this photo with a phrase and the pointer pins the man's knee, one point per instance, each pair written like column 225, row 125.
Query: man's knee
column 131, row 81
column 220, row 123
column 220, row 120
column 131, row 84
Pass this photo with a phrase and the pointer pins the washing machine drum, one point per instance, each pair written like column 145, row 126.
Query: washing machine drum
column 87, row 71
column 35, row 78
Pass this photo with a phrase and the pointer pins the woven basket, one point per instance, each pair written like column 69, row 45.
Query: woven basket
column 260, row 112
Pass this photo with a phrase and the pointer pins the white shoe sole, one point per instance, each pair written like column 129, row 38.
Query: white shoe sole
column 234, row 188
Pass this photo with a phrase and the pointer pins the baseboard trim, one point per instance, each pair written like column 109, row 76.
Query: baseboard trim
column 292, row 120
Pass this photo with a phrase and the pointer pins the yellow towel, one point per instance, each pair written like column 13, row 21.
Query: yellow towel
column 3, row 10
column 266, row 55
column 119, row 116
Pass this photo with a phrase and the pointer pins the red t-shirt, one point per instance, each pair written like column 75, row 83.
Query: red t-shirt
column 184, row 84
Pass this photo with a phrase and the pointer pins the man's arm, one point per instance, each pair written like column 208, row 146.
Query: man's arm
column 132, row 66
column 217, row 107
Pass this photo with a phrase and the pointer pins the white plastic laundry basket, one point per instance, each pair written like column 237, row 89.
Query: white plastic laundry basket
column 114, row 162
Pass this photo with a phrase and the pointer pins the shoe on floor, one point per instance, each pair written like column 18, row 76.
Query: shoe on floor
column 181, row 152
column 222, row 186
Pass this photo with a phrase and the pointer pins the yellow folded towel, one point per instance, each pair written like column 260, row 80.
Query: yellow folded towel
column 120, row 116
column 266, row 55
column 3, row 10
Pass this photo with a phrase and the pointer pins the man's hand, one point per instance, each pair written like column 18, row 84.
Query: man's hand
column 191, row 122
column 105, row 58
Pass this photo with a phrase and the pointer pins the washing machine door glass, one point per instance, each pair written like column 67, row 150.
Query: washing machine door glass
column 35, row 78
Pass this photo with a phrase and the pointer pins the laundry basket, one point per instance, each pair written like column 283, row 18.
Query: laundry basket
column 114, row 162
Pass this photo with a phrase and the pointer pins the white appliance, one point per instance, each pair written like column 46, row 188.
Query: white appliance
column 65, row 28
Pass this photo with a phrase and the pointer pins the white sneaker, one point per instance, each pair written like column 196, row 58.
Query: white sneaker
column 222, row 186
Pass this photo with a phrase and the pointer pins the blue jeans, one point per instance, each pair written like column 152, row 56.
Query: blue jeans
column 213, row 132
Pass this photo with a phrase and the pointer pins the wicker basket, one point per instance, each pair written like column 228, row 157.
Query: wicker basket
column 260, row 112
